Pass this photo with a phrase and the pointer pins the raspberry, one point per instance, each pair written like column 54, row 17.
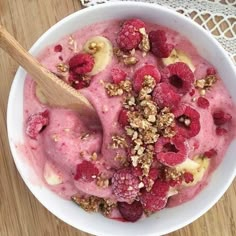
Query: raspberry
column 58, row 48
column 165, row 96
column 123, row 118
column 129, row 36
column 118, row 75
column 211, row 71
column 180, row 76
column 211, row 153
column 76, row 81
column 187, row 121
column 188, row 177
column 81, row 63
column 125, row 185
column 171, row 151
column 36, row 123
column 86, row 171
column 159, row 45
column 130, row 212
column 220, row 117
column 142, row 72
column 203, row 103
column 221, row 131
column 156, row 199
column 192, row 92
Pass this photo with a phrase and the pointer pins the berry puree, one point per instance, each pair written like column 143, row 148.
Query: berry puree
column 166, row 120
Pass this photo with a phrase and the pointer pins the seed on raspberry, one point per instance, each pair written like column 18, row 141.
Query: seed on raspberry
column 130, row 212
column 156, row 199
column 210, row 153
column 129, row 36
column 188, row 177
column 159, row 45
column 171, row 152
column 139, row 76
column 125, row 185
column 187, row 121
column 220, row 117
column 36, row 123
column 123, row 118
column 203, row 103
column 58, row 48
column 211, row 71
column 86, row 171
column 180, row 76
column 221, row 131
column 165, row 96
column 118, row 75
column 81, row 63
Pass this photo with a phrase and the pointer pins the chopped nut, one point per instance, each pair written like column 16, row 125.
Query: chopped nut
column 118, row 142
column 62, row 67
column 130, row 60
column 202, row 92
column 113, row 89
column 141, row 185
column 145, row 44
column 107, row 206
column 84, row 136
column 94, row 47
column 55, row 138
column 200, row 83
column 102, row 182
column 94, row 156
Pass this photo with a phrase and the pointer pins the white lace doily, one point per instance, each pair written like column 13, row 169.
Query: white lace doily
column 217, row 16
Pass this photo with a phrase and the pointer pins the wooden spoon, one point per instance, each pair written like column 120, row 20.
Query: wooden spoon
column 56, row 91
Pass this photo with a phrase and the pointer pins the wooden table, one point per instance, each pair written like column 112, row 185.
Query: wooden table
column 20, row 213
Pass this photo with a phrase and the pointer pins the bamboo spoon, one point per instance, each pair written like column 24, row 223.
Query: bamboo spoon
column 56, row 91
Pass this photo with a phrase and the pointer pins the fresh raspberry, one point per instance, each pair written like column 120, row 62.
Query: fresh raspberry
column 156, row 199
column 180, row 76
column 220, row 117
column 159, row 45
column 76, row 81
column 188, row 177
column 129, row 36
column 123, row 118
column 211, row 71
column 81, row 63
column 125, row 185
column 86, row 171
column 142, row 72
column 165, row 96
column 130, row 212
column 221, row 131
column 118, row 75
column 36, row 123
column 187, row 121
column 58, row 48
column 171, row 152
column 192, row 92
column 203, row 103
column 211, row 153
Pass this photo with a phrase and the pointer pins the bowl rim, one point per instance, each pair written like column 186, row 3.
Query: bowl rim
column 58, row 25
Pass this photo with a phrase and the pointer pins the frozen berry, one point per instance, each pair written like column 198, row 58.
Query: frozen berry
column 221, row 131
column 211, row 71
column 210, row 153
column 118, row 75
column 188, row 177
column 180, row 76
column 58, row 48
column 203, row 103
column 220, row 117
column 125, row 185
column 159, row 45
column 86, row 171
column 36, row 123
column 156, row 199
column 165, row 96
column 130, row 212
column 187, row 121
column 171, row 151
column 129, row 36
column 123, row 118
column 140, row 74
column 81, row 63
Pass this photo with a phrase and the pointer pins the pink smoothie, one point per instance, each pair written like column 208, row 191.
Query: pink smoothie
column 66, row 142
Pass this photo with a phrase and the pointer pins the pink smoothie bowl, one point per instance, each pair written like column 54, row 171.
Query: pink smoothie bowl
column 169, row 219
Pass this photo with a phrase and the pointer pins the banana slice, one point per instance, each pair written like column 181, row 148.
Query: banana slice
column 50, row 175
column 101, row 48
column 39, row 94
column 178, row 56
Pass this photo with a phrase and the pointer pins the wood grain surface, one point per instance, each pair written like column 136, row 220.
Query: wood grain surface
column 20, row 213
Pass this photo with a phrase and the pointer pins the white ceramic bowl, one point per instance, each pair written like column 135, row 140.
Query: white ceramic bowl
column 167, row 220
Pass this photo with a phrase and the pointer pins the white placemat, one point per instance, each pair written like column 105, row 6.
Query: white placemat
column 216, row 16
